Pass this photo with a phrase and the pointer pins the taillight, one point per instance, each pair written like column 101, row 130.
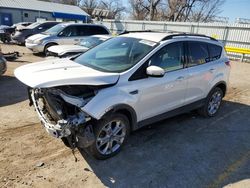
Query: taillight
column 228, row 63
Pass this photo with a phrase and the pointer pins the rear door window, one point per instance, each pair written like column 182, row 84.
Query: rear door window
column 98, row 30
column 214, row 51
column 198, row 53
column 82, row 30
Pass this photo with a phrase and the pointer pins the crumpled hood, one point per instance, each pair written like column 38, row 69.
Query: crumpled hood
column 58, row 72
column 62, row 49
column 37, row 37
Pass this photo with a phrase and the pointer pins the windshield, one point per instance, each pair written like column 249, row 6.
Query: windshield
column 90, row 42
column 54, row 30
column 33, row 25
column 116, row 55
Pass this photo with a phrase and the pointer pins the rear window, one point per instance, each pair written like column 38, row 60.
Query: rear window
column 98, row 30
column 198, row 53
column 214, row 51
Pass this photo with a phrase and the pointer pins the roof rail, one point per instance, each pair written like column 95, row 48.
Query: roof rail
column 135, row 31
column 187, row 35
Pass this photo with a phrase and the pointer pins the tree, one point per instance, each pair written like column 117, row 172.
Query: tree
column 145, row 9
column 193, row 10
column 115, row 8
column 89, row 5
column 175, row 10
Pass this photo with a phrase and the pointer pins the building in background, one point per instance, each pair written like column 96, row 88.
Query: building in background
column 14, row 11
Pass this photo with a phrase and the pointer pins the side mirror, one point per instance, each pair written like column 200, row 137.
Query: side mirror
column 155, row 71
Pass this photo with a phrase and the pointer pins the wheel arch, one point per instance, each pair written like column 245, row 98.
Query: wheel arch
column 49, row 43
column 126, row 110
column 222, row 85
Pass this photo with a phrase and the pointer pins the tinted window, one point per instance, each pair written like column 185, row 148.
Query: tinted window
column 198, row 53
column 82, row 30
column 214, row 51
column 169, row 57
column 69, row 31
column 97, row 30
column 49, row 25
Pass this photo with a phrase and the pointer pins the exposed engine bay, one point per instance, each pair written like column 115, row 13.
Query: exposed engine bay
column 59, row 109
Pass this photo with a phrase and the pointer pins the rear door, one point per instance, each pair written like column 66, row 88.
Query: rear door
column 200, row 71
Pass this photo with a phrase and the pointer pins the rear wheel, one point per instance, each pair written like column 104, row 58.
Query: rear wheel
column 213, row 103
column 110, row 134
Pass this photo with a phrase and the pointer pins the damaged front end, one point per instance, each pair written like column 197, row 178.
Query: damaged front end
column 59, row 110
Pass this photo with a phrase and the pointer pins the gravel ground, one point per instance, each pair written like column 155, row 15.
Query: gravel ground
column 184, row 151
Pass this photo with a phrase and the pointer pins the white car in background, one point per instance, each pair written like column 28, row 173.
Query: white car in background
column 63, row 51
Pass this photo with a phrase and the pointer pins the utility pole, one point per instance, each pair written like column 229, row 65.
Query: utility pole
column 151, row 10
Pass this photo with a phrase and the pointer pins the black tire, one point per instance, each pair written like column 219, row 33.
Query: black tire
column 204, row 111
column 98, row 130
column 66, row 142
column 45, row 51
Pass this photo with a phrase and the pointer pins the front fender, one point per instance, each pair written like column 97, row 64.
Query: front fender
column 107, row 100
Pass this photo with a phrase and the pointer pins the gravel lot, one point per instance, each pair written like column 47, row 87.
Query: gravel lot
column 184, row 151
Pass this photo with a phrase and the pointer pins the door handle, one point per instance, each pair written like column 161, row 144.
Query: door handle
column 134, row 92
column 180, row 78
column 212, row 70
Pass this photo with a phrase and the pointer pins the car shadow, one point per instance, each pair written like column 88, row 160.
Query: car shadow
column 12, row 91
column 184, row 151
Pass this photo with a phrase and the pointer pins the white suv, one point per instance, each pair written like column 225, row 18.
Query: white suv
column 135, row 79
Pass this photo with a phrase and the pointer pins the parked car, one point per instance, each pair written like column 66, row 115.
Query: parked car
column 63, row 51
column 5, row 33
column 21, row 25
column 22, row 34
column 3, row 66
column 65, row 33
column 135, row 79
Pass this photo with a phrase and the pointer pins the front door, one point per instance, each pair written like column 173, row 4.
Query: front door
column 160, row 95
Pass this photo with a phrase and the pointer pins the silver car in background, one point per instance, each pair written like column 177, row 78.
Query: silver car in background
column 65, row 33
column 63, row 51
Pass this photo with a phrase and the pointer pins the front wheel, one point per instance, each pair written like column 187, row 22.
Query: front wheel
column 213, row 103
column 111, row 134
column 46, row 52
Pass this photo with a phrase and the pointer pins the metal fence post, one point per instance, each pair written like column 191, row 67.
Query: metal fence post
column 191, row 28
column 143, row 26
column 165, row 27
column 111, row 26
column 225, row 34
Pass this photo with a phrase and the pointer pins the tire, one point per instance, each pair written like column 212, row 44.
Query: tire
column 97, row 149
column 208, row 110
column 45, row 51
column 66, row 142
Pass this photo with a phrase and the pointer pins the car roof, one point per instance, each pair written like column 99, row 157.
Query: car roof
column 164, row 36
column 152, row 36
column 68, row 23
